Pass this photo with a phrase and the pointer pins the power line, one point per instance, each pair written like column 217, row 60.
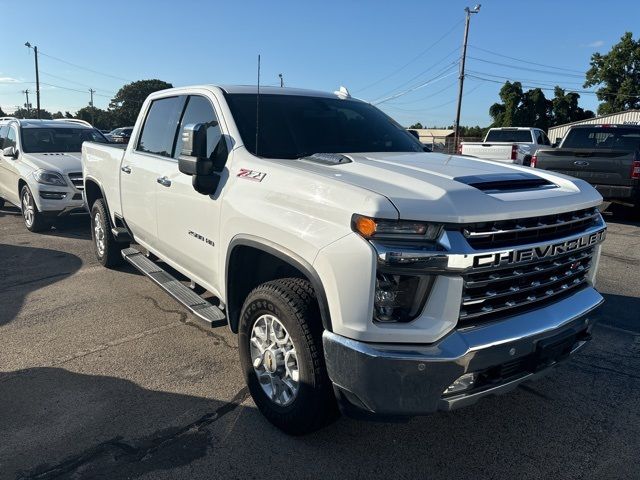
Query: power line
column 526, row 61
column 429, row 82
column 393, row 107
column 84, row 68
column 413, row 59
column 550, row 82
column 75, row 82
column 524, row 68
column 421, row 99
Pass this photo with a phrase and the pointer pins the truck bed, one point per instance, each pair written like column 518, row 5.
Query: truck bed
column 101, row 163
column 499, row 151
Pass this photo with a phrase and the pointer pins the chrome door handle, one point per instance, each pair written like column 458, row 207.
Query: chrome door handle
column 164, row 181
column 126, row 169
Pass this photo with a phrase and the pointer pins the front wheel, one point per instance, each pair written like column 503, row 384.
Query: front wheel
column 280, row 344
column 106, row 248
column 33, row 218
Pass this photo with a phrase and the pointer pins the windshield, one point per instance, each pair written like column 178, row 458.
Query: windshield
column 518, row 136
column 43, row 140
column 603, row 138
column 293, row 126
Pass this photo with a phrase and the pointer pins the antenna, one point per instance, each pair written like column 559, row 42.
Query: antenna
column 258, row 107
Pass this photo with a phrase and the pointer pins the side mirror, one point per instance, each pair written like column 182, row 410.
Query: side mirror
column 193, row 160
column 10, row 152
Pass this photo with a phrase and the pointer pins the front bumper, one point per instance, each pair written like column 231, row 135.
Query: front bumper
column 405, row 380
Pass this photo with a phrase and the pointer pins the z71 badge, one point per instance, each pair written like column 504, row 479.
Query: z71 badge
column 251, row 174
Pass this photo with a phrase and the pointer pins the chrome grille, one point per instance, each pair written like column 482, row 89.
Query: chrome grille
column 77, row 180
column 499, row 293
column 529, row 230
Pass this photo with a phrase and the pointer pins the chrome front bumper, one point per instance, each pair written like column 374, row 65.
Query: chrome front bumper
column 397, row 379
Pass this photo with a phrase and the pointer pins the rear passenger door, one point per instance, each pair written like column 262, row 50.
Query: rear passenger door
column 9, row 176
column 188, row 222
column 143, row 165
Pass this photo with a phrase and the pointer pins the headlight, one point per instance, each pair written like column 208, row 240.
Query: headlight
column 372, row 228
column 400, row 298
column 49, row 178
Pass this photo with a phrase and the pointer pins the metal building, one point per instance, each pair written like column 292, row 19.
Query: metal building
column 629, row 117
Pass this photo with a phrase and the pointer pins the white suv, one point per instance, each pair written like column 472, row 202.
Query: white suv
column 40, row 168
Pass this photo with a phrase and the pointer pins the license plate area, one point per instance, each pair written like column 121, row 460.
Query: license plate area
column 555, row 349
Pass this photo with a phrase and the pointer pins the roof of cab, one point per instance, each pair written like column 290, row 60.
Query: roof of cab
column 253, row 89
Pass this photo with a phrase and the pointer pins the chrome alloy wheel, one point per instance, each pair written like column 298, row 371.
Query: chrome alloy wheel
column 98, row 233
column 275, row 360
column 28, row 209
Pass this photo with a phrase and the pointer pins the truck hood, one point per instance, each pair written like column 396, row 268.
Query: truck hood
column 436, row 187
column 63, row 162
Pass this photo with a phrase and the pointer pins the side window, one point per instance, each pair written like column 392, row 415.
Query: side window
column 545, row 139
column 10, row 141
column 200, row 110
column 539, row 139
column 159, row 129
column 3, row 135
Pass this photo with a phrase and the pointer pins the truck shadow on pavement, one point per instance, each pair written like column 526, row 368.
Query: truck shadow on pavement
column 26, row 269
column 93, row 423
column 620, row 311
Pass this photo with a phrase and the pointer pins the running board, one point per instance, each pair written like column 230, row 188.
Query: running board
column 210, row 314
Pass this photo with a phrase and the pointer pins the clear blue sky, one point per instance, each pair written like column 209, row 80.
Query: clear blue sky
column 318, row 45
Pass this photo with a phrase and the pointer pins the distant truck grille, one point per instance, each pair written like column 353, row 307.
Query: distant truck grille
column 529, row 230
column 76, row 179
column 508, row 291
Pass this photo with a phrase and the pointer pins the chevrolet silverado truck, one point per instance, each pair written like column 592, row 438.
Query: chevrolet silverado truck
column 606, row 156
column 510, row 144
column 40, row 168
column 360, row 273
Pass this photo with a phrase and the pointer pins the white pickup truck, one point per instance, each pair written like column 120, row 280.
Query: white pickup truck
column 511, row 145
column 359, row 271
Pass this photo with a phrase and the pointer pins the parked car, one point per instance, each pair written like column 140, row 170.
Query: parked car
column 511, row 145
column 121, row 135
column 40, row 169
column 356, row 268
column 606, row 156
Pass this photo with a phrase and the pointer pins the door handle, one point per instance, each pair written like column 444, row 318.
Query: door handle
column 126, row 169
column 164, row 181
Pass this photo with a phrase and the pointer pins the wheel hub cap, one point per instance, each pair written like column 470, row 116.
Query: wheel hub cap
column 275, row 360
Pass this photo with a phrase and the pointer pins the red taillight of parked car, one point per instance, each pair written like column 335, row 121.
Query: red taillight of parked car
column 635, row 170
column 514, row 152
column 534, row 160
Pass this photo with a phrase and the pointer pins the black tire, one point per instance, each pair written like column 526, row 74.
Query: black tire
column 33, row 219
column 107, row 250
column 293, row 302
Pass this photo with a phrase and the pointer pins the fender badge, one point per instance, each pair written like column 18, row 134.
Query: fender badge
column 251, row 174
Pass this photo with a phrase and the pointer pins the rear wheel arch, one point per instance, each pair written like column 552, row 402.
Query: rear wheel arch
column 92, row 192
column 267, row 261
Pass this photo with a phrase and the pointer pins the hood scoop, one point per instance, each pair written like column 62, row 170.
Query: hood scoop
column 328, row 158
column 506, row 182
column 51, row 153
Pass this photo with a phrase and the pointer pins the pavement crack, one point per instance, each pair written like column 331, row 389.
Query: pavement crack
column 136, row 451
column 184, row 318
column 622, row 258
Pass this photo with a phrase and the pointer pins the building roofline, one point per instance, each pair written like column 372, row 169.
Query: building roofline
column 595, row 118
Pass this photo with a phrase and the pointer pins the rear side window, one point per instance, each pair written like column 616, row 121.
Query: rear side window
column 603, row 138
column 160, row 127
column 3, row 134
column 521, row 136
column 200, row 110
column 10, row 141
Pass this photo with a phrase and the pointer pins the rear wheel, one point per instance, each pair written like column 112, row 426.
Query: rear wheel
column 33, row 218
column 106, row 248
column 280, row 344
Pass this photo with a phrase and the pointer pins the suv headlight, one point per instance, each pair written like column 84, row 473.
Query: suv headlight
column 380, row 229
column 49, row 178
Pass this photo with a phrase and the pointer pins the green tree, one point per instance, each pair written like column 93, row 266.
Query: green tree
column 617, row 74
column 101, row 119
column 416, row 125
column 534, row 110
column 32, row 113
column 126, row 105
column 2, row 114
column 505, row 114
column 58, row 114
column 565, row 109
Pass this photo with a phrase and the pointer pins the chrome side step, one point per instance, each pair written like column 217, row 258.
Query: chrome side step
column 210, row 314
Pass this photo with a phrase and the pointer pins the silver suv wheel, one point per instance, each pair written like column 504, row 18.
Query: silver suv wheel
column 28, row 208
column 275, row 360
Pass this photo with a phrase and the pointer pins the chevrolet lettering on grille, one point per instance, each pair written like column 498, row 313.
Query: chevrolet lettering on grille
column 541, row 252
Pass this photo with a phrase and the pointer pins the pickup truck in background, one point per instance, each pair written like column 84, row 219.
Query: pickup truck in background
column 358, row 270
column 511, row 145
column 606, row 156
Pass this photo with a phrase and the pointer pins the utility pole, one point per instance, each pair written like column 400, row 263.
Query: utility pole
column 35, row 51
column 91, row 92
column 468, row 11
column 27, row 105
column 281, row 80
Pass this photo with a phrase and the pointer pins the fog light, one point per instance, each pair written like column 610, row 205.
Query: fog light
column 399, row 298
column 52, row 195
column 465, row 382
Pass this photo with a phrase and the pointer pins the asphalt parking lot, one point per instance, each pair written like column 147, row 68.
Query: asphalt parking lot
column 102, row 375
